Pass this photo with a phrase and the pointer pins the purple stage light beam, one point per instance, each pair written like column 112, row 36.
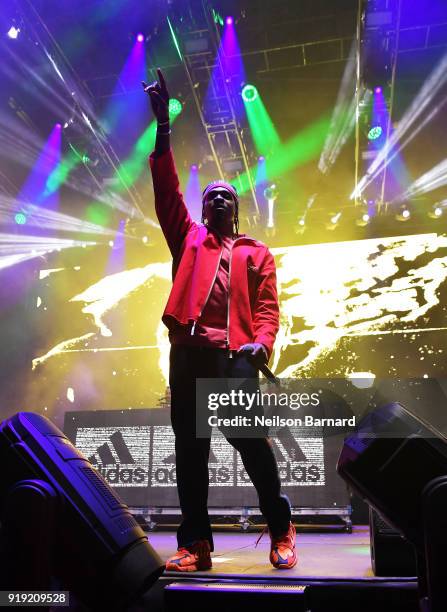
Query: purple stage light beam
column 127, row 114
column 116, row 262
column 229, row 71
column 35, row 189
column 396, row 174
column 193, row 194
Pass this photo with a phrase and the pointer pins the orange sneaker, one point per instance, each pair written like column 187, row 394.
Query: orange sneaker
column 193, row 558
column 283, row 552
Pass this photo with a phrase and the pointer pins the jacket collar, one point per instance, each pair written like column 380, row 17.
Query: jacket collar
column 239, row 238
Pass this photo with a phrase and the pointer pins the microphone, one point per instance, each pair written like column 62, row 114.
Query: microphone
column 263, row 367
column 269, row 374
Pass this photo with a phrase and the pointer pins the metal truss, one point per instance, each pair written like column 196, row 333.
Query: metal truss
column 300, row 55
column 215, row 102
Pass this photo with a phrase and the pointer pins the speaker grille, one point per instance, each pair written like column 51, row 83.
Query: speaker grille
column 380, row 525
column 126, row 523
column 98, row 483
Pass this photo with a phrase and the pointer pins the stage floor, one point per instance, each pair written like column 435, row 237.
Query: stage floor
column 320, row 555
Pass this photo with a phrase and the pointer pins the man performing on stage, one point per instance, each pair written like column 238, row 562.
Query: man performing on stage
column 223, row 306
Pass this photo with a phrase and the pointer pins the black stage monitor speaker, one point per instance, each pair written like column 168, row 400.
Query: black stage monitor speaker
column 62, row 522
column 398, row 464
column 389, row 460
column 391, row 553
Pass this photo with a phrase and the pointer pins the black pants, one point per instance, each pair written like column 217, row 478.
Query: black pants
column 186, row 364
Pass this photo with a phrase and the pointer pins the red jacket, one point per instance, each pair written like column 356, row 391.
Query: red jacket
column 253, row 312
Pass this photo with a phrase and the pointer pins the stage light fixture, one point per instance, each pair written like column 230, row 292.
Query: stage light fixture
column 375, row 132
column 140, row 37
column 261, row 158
column 194, row 167
column 67, row 124
column 249, row 93
column 417, row 116
column 175, row 107
column 378, row 90
column 271, row 192
column 403, row 214
column 335, row 218
column 332, row 223
column 217, row 18
column 229, row 20
column 62, row 521
column 300, row 226
column 20, row 218
column 13, row 32
column 437, row 210
column 363, row 219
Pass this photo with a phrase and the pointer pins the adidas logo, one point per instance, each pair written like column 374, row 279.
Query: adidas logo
column 300, row 461
column 114, row 461
column 105, row 454
column 163, row 473
column 296, row 466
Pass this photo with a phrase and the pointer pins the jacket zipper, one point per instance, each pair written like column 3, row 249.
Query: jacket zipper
column 229, row 294
column 209, row 293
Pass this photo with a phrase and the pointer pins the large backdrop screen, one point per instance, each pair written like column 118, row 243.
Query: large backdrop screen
column 375, row 306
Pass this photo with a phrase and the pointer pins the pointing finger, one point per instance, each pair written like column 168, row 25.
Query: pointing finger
column 161, row 78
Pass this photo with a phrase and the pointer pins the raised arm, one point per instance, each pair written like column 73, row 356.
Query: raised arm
column 170, row 207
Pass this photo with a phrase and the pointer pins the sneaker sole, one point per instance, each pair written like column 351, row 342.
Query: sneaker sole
column 173, row 567
column 285, row 567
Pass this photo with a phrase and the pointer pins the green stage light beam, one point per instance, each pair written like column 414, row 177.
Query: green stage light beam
column 263, row 131
column 300, row 149
column 97, row 214
column 62, row 171
column 131, row 169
